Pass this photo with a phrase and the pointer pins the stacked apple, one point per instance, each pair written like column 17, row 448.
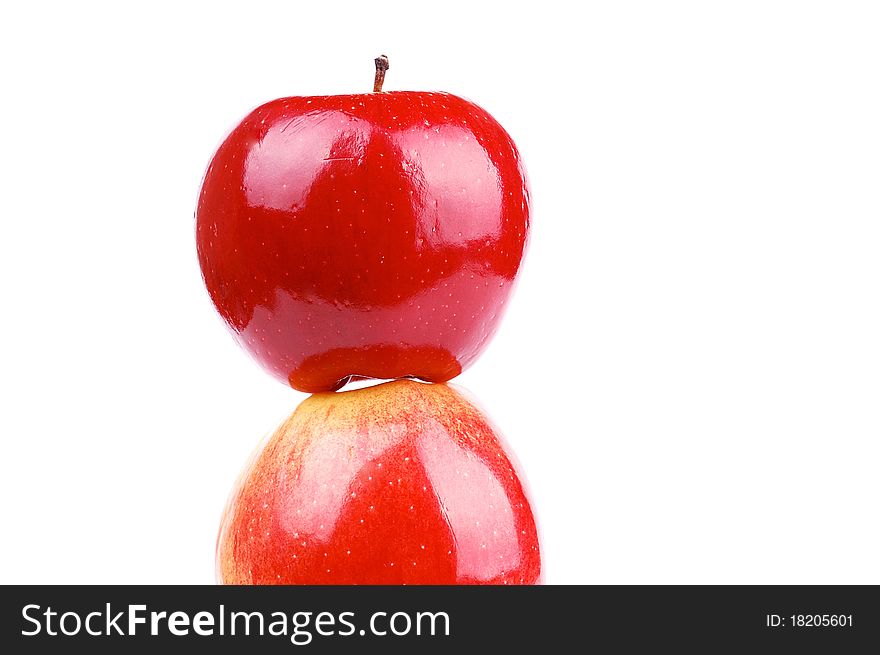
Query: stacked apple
column 373, row 235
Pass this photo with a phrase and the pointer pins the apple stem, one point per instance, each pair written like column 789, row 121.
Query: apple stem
column 381, row 67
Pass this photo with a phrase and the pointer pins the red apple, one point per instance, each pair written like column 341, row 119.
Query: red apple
column 365, row 235
column 400, row 483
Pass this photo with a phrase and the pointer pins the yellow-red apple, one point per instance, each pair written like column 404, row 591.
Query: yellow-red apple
column 399, row 483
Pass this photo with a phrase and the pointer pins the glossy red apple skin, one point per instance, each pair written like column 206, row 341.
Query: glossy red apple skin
column 370, row 235
column 400, row 483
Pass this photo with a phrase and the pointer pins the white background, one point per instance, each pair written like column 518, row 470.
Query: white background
column 689, row 372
